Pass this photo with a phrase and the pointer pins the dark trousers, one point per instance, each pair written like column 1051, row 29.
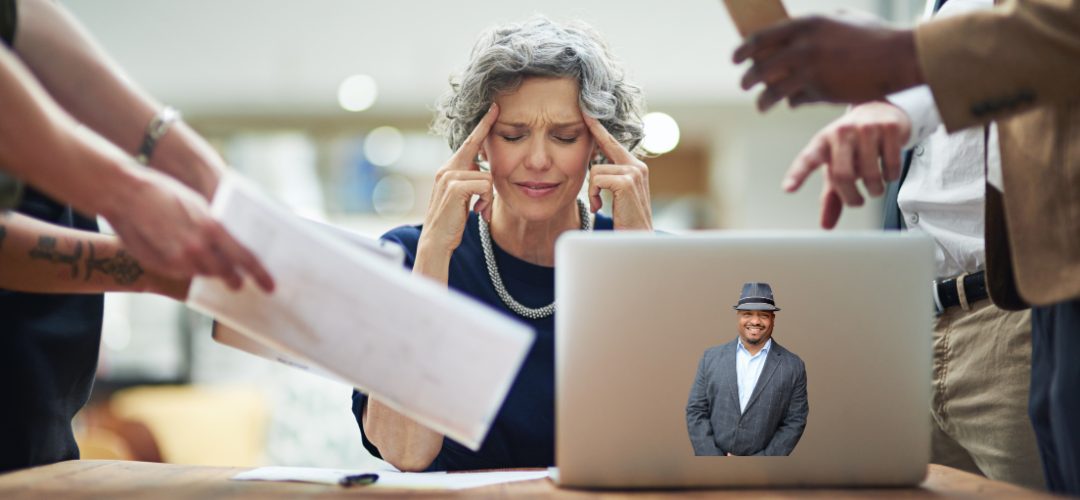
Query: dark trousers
column 1055, row 392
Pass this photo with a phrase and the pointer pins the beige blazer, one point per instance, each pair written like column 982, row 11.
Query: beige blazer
column 1019, row 65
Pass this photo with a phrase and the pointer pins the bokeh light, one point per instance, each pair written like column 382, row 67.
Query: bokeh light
column 357, row 93
column 661, row 133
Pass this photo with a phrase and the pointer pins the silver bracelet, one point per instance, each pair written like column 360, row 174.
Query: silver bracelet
column 155, row 131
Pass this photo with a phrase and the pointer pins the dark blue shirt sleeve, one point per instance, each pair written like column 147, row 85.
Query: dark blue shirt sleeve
column 359, row 402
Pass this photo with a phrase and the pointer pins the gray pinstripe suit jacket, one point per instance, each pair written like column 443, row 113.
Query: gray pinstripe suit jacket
column 775, row 414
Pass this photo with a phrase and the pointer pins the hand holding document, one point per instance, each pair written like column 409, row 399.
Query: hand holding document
column 426, row 351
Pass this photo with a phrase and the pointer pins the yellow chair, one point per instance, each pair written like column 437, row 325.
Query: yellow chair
column 102, row 444
column 197, row 425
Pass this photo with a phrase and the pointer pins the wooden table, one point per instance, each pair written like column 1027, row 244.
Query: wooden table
column 114, row 479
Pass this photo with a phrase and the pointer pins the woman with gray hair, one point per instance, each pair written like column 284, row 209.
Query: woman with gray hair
column 539, row 107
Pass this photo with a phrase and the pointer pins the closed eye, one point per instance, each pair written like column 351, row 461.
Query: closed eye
column 567, row 140
column 512, row 138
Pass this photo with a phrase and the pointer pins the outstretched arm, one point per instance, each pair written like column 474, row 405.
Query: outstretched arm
column 39, row 257
column 823, row 59
column 166, row 225
column 82, row 78
column 862, row 145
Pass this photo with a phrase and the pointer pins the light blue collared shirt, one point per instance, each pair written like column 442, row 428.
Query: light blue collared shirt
column 748, row 369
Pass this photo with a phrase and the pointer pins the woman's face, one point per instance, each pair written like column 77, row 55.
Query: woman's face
column 539, row 148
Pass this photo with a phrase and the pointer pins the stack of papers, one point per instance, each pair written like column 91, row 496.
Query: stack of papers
column 430, row 353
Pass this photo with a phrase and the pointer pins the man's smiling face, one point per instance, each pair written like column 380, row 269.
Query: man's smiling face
column 755, row 327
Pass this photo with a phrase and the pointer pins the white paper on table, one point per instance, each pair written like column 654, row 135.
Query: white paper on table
column 430, row 353
column 387, row 479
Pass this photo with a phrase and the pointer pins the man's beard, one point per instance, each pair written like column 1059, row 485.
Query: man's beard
column 750, row 339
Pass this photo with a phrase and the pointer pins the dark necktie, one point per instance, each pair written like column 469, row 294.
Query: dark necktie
column 893, row 218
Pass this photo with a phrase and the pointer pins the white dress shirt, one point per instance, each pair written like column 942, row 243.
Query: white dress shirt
column 943, row 194
column 748, row 368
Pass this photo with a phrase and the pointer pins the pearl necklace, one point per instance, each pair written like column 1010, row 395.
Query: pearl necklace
column 496, row 279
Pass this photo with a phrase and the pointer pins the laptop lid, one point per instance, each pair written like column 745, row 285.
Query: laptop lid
column 637, row 313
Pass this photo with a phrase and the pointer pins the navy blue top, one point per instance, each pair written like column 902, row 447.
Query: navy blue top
column 48, row 345
column 48, row 356
column 523, row 434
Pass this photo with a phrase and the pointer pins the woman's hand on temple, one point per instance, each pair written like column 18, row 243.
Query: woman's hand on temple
column 455, row 184
column 627, row 179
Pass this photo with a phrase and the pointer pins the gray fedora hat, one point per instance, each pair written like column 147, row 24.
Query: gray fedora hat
column 756, row 297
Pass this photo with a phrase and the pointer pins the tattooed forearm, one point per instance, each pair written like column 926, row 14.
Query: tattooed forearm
column 122, row 267
column 46, row 250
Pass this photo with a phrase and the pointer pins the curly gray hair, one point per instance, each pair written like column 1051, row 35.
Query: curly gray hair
column 504, row 55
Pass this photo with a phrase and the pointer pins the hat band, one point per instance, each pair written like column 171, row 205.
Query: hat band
column 756, row 300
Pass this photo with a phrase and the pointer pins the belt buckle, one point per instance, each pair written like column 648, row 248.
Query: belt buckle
column 961, row 292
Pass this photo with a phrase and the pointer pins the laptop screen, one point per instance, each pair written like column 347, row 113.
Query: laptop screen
column 742, row 359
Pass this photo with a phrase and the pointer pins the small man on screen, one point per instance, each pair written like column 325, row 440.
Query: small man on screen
column 749, row 396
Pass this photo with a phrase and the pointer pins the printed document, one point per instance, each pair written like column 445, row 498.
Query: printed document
column 431, row 353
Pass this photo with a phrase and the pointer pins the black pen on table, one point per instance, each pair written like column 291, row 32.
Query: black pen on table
column 358, row 479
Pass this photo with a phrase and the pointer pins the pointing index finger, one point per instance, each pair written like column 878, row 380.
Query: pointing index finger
column 608, row 144
column 813, row 156
column 466, row 154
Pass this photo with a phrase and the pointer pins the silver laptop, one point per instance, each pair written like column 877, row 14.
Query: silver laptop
column 636, row 313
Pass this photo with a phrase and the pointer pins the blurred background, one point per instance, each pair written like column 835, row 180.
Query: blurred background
column 326, row 104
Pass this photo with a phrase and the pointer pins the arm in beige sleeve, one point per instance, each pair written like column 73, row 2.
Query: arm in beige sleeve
column 992, row 64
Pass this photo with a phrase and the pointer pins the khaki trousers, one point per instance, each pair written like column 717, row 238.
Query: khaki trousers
column 982, row 372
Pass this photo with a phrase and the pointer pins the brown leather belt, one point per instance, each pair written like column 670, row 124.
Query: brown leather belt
column 962, row 290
